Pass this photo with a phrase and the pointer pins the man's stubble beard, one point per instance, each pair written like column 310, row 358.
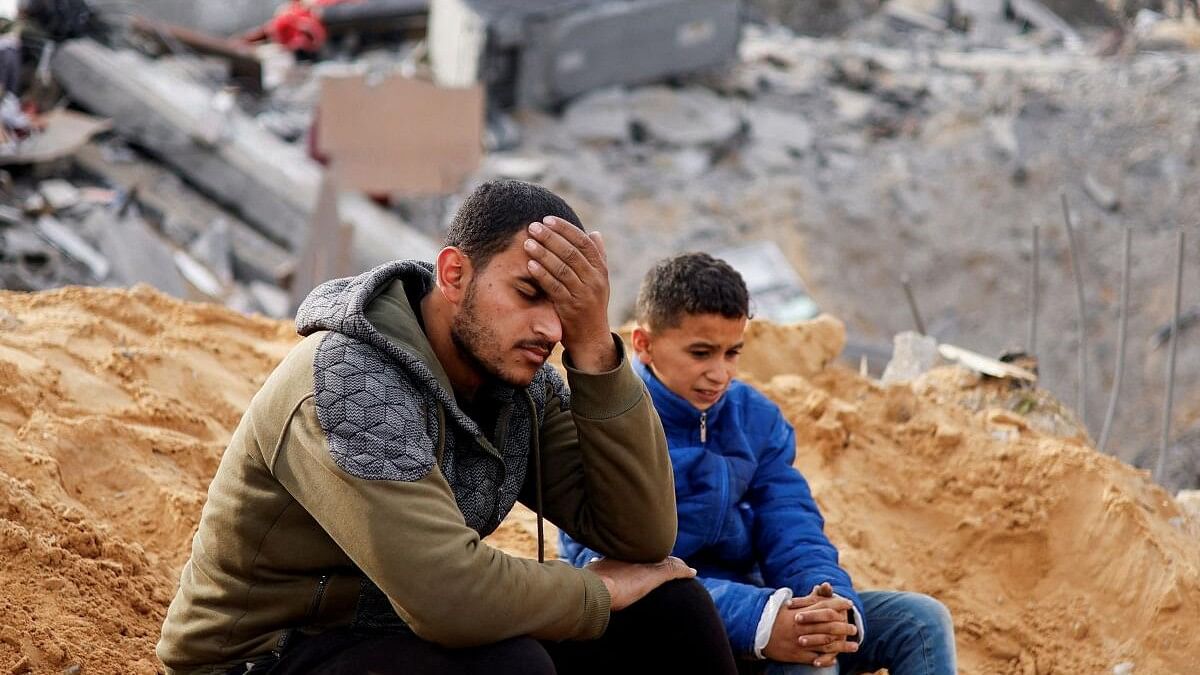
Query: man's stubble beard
column 473, row 338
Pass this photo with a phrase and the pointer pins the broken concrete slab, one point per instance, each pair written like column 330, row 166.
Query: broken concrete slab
column 75, row 246
column 186, row 214
column 601, row 116
column 691, row 116
column 59, row 194
column 269, row 183
column 553, row 50
column 214, row 249
column 210, row 16
column 326, row 254
column 136, row 252
column 271, row 300
column 64, row 133
column 26, row 262
column 912, row 355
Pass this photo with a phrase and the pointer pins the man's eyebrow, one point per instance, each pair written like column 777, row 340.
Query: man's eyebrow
column 701, row 343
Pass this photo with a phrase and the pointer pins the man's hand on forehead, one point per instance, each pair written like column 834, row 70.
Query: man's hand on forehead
column 572, row 269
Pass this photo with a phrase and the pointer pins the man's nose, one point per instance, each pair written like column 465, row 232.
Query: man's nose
column 547, row 325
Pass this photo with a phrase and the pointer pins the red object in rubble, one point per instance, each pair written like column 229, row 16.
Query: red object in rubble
column 297, row 27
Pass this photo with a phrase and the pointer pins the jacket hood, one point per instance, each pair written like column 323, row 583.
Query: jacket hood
column 358, row 306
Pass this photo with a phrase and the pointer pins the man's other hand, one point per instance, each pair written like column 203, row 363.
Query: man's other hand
column 629, row 582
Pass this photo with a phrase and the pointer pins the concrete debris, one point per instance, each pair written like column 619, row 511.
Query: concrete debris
column 136, row 252
column 198, row 276
column 985, row 364
column 210, row 16
column 913, row 355
column 184, row 215
column 538, row 53
column 63, row 132
column 601, row 116
column 776, row 291
column 26, row 263
column 214, row 249
column 271, row 300
column 75, row 246
column 59, row 194
column 266, row 181
column 1104, row 196
column 682, row 117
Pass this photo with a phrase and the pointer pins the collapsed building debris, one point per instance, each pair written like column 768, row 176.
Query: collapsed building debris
column 268, row 182
column 536, row 54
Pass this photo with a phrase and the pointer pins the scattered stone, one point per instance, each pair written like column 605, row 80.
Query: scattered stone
column 214, row 249
column 1105, row 197
column 599, row 116
column 852, row 107
column 1125, row 668
column 73, row 669
column 691, row 116
column 59, row 194
column 912, row 355
column 74, row 246
column 273, row 301
column 770, row 125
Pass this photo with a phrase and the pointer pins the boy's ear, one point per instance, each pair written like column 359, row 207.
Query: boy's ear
column 641, row 344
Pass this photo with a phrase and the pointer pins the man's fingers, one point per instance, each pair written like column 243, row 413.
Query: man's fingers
column 553, row 287
column 561, row 237
column 824, row 590
column 555, row 266
column 598, row 240
column 813, row 603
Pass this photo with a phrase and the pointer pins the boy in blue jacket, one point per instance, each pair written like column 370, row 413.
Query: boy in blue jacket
column 747, row 520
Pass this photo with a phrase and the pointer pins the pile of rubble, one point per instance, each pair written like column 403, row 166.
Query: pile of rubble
column 833, row 147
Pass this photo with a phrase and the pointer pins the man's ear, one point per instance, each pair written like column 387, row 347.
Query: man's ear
column 641, row 345
column 453, row 269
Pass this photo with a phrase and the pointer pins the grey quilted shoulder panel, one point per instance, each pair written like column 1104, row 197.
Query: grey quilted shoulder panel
column 377, row 423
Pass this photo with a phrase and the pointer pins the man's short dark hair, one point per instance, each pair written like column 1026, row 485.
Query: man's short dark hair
column 490, row 216
column 691, row 283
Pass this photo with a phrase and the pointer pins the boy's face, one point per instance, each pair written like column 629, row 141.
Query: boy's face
column 696, row 359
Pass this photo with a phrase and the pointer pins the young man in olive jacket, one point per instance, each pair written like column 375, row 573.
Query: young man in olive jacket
column 342, row 532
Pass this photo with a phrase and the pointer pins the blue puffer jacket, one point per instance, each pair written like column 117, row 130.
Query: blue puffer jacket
column 747, row 520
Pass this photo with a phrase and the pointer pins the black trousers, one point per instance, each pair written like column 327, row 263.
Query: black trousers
column 673, row 629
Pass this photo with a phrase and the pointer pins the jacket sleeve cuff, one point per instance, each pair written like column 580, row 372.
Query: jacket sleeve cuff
column 597, row 605
column 601, row 396
column 767, row 623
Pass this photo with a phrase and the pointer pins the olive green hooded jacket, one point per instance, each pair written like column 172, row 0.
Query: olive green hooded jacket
column 356, row 492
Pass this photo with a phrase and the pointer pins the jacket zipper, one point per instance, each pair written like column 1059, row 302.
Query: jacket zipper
column 704, row 427
column 322, row 584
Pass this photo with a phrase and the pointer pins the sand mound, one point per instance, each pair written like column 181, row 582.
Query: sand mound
column 116, row 405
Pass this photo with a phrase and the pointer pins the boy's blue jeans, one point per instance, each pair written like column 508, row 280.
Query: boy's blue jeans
column 907, row 633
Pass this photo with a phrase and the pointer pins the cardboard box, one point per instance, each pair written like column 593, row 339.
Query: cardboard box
column 399, row 135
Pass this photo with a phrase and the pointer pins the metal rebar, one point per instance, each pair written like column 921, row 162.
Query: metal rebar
column 1077, row 267
column 1160, row 465
column 912, row 304
column 1031, row 341
column 1122, row 326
